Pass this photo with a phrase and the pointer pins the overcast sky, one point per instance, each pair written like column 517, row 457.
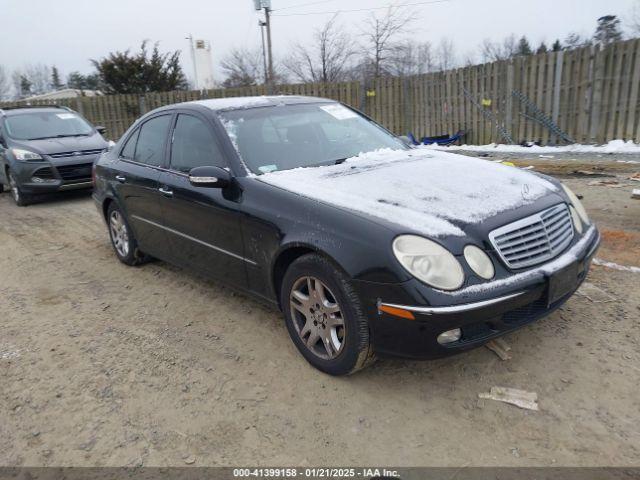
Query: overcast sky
column 67, row 33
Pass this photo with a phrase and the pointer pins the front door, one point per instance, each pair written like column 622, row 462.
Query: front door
column 203, row 224
column 136, row 184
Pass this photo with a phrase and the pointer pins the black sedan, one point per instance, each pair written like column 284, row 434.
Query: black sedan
column 368, row 246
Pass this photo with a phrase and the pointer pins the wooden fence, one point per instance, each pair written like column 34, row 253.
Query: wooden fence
column 592, row 94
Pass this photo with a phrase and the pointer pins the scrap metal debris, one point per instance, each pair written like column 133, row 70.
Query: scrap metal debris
column 500, row 348
column 513, row 396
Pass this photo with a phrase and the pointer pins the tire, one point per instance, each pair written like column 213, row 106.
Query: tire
column 122, row 239
column 326, row 306
column 21, row 198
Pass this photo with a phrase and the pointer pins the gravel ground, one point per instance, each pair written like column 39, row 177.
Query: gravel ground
column 104, row 365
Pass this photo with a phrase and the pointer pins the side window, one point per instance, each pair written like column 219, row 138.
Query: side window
column 194, row 145
column 151, row 140
column 129, row 149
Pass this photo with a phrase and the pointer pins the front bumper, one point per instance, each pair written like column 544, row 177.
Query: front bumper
column 49, row 177
column 481, row 312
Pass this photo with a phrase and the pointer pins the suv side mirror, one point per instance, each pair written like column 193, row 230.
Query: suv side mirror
column 212, row 177
column 101, row 130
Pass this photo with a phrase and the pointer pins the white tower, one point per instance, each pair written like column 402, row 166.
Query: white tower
column 203, row 64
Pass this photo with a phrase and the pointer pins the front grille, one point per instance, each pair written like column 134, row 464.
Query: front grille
column 44, row 173
column 76, row 154
column 75, row 173
column 535, row 239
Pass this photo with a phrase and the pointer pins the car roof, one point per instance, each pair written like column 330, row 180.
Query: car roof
column 19, row 110
column 240, row 103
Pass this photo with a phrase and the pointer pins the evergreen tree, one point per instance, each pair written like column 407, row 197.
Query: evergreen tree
column 524, row 47
column 56, row 84
column 542, row 48
column 25, row 85
column 557, row 46
column 124, row 72
column 608, row 30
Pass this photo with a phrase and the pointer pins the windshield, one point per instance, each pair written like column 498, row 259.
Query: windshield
column 285, row 137
column 41, row 125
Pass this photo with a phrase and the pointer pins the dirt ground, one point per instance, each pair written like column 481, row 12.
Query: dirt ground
column 105, row 365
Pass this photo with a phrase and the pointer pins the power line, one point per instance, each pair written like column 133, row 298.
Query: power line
column 362, row 9
column 302, row 5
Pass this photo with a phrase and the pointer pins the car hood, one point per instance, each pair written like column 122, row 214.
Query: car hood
column 51, row 146
column 429, row 192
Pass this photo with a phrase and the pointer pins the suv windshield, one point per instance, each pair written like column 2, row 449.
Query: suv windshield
column 41, row 125
column 285, row 137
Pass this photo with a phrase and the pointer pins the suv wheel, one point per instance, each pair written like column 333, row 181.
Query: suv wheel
column 21, row 198
column 324, row 317
column 122, row 238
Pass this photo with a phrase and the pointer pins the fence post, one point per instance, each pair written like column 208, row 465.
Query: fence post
column 79, row 107
column 407, row 103
column 509, row 97
column 557, row 82
column 142, row 104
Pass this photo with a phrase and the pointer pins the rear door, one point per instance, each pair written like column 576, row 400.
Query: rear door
column 136, row 183
column 203, row 224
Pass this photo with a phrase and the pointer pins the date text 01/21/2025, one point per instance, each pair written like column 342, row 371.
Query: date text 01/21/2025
column 368, row 473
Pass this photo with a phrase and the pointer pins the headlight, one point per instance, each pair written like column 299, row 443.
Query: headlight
column 576, row 219
column 577, row 204
column 428, row 262
column 479, row 262
column 25, row 155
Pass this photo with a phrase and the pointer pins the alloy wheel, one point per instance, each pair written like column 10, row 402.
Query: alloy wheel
column 317, row 317
column 119, row 234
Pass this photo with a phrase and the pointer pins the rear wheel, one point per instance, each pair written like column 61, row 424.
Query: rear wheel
column 324, row 316
column 21, row 198
column 122, row 238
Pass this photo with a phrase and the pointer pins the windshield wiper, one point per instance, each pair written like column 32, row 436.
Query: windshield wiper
column 340, row 161
column 62, row 136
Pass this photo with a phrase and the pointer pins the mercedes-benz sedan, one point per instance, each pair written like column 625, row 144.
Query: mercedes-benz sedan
column 368, row 246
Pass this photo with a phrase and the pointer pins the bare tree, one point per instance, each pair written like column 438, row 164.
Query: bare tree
column 496, row 51
column 327, row 60
column 446, row 54
column 634, row 20
column 575, row 40
column 5, row 86
column 40, row 77
column 411, row 58
column 380, row 36
column 243, row 67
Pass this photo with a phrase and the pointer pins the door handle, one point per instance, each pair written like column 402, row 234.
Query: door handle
column 121, row 179
column 165, row 192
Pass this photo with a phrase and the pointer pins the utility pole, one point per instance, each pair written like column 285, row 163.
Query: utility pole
column 267, row 17
column 264, row 52
column 269, row 76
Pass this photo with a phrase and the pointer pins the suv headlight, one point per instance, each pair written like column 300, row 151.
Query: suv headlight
column 428, row 262
column 25, row 155
column 577, row 204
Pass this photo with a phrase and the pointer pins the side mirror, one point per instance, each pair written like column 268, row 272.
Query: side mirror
column 211, row 177
column 101, row 130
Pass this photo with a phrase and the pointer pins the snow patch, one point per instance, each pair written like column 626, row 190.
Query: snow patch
column 8, row 352
column 614, row 146
column 230, row 103
column 615, row 266
column 428, row 192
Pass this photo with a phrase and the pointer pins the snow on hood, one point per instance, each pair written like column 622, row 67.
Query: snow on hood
column 424, row 191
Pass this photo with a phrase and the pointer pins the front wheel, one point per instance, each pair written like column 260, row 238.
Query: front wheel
column 324, row 316
column 21, row 198
column 122, row 238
